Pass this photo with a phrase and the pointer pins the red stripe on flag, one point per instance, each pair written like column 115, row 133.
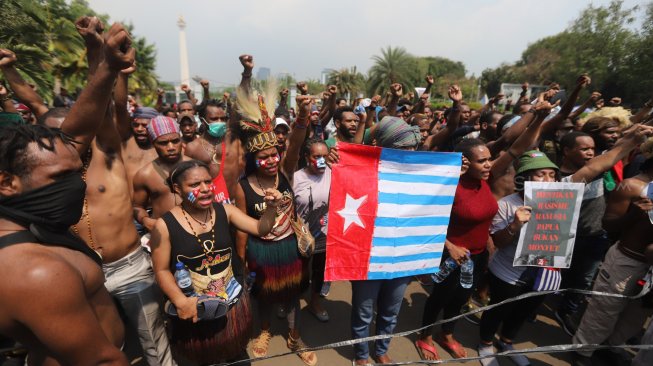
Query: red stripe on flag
column 354, row 183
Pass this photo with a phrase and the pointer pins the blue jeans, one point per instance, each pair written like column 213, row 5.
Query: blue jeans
column 388, row 295
column 587, row 257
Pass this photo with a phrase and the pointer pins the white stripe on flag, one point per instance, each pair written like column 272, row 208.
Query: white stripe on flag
column 449, row 171
column 399, row 232
column 403, row 266
column 394, row 210
column 383, row 251
column 388, row 186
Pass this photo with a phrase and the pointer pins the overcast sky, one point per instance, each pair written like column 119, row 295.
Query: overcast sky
column 303, row 37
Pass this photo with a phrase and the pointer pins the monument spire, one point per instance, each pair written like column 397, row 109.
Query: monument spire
column 183, row 52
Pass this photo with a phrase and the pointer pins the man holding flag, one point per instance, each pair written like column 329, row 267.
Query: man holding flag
column 379, row 235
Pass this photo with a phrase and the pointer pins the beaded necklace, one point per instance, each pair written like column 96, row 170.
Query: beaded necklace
column 86, row 213
column 199, row 241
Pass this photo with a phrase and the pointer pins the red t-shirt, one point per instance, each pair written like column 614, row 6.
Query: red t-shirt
column 473, row 208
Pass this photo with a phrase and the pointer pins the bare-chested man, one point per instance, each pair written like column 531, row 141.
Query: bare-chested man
column 137, row 150
column 628, row 213
column 218, row 146
column 106, row 224
column 151, row 181
column 41, row 196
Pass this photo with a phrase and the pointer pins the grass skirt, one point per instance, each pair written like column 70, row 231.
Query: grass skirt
column 281, row 273
column 209, row 342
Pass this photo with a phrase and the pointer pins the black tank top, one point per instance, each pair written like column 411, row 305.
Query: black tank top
column 256, row 206
column 212, row 275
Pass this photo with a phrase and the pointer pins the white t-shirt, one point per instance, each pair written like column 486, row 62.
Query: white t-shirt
column 312, row 202
column 501, row 263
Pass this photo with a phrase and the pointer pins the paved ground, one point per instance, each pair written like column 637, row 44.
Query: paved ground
column 544, row 332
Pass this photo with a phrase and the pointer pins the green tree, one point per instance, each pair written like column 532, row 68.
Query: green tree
column 349, row 82
column 394, row 65
column 600, row 42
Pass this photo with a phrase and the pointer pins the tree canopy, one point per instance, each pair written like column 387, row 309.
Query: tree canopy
column 601, row 42
column 51, row 53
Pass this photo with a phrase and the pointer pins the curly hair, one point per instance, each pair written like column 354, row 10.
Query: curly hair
column 14, row 141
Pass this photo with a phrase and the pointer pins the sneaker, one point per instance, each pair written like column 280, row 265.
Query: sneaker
column 519, row 360
column 486, row 350
column 326, row 287
column 568, row 322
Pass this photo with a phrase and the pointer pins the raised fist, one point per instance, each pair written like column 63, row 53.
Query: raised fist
column 283, row 93
column 247, row 61
column 332, row 89
column 226, row 95
column 185, row 88
column 90, row 28
column 429, row 79
column 455, row 94
column 302, row 87
column 204, row 83
column 118, row 52
column 160, row 92
column 397, row 90
column 7, row 58
column 524, row 86
column 303, row 105
column 583, row 81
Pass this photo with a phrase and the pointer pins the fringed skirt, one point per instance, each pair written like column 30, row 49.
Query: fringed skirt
column 210, row 342
column 281, row 273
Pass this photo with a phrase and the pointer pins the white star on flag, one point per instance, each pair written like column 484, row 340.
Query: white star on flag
column 350, row 211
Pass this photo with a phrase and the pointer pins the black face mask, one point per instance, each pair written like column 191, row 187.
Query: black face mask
column 55, row 207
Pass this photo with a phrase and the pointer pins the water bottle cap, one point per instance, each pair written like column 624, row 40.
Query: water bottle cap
column 179, row 265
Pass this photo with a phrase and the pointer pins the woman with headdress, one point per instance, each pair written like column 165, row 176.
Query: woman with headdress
column 196, row 235
column 281, row 273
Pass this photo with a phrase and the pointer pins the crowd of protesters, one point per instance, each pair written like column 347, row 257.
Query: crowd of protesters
column 103, row 201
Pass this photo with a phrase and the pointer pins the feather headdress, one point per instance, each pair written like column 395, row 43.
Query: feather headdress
column 255, row 119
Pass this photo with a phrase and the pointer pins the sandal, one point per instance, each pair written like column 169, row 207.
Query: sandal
column 455, row 349
column 422, row 346
column 308, row 357
column 261, row 344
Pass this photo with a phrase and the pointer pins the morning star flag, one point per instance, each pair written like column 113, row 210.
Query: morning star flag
column 388, row 212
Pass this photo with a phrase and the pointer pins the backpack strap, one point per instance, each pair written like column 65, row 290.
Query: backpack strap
column 18, row 237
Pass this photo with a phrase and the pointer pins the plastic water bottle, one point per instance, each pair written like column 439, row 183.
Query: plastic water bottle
column 249, row 281
column 467, row 273
column 446, row 268
column 182, row 277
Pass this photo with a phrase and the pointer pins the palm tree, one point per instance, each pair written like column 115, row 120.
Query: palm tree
column 395, row 65
column 349, row 82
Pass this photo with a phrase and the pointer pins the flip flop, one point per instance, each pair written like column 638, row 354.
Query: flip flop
column 455, row 349
column 322, row 316
column 211, row 308
column 422, row 346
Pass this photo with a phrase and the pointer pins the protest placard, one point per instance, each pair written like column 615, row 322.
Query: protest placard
column 547, row 240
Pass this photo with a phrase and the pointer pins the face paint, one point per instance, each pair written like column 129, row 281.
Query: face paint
column 320, row 163
column 192, row 195
column 264, row 163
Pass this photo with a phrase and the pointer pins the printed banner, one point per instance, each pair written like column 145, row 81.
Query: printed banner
column 388, row 212
column 547, row 240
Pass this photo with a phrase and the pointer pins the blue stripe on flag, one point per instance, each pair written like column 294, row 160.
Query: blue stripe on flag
column 405, row 258
column 386, row 275
column 408, row 240
column 416, row 178
column 412, row 221
column 414, row 199
column 421, row 157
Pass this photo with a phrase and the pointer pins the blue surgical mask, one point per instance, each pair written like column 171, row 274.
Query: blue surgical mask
column 217, row 129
